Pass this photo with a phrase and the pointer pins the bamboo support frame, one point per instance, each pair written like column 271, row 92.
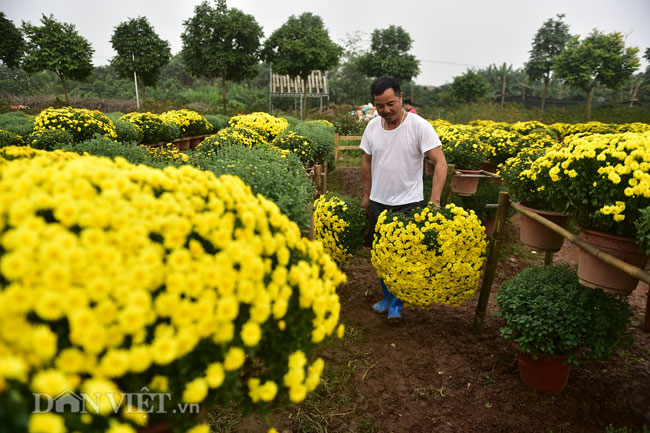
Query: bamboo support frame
column 495, row 245
column 602, row 255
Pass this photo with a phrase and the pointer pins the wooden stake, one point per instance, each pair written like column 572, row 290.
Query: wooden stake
column 494, row 248
column 324, row 174
column 336, row 147
column 446, row 191
column 646, row 322
column 548, row 258
column 317, row 178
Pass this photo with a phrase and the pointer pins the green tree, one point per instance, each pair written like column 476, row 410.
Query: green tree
column 597, row 59
column 549, row 41
column 301, row 45
column 57, row 47
column 12, row 44
column 139, row 49
column 348, row 85
column 388, row 55
column 470, row 87
column 219, row 42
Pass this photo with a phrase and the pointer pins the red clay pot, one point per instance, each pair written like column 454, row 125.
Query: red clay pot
column 547, row 375
column 465, row 186
column 595, row 273
column 538, row 236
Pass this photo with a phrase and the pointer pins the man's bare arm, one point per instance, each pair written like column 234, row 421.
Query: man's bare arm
column 436, row 156
column 366, row 175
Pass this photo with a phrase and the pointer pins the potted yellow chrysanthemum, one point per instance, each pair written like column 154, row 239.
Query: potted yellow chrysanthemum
column 603, row 180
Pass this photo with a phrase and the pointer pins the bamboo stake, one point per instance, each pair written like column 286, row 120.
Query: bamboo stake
column 602, row 255
column 324, row 175
column 494, row 248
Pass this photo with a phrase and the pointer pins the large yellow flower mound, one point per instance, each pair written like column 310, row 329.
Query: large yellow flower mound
column 265, row 124
column 431, row 257
column 115, row 276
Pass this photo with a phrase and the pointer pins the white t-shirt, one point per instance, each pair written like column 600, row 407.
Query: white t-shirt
column 397, row 158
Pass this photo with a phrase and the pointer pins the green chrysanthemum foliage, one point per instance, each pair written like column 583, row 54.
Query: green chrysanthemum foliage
column 153, row 128
column 547, row 312
column 10, row 139
column 50, row 139
column 320, row 133
column 289, row 140
column 340, row 224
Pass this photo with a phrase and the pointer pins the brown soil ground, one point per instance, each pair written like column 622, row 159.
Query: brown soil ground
column 431, row 374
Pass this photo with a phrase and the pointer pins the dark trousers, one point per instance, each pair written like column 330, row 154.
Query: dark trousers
column 374, row 209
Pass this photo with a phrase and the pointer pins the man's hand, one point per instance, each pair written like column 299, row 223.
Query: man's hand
column 433, row 205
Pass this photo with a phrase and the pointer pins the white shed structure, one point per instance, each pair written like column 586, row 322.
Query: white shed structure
column 292, row 87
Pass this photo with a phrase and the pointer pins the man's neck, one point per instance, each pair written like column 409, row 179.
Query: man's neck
column 389, row 126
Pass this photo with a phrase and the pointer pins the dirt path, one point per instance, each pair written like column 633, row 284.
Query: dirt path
column 431, row 374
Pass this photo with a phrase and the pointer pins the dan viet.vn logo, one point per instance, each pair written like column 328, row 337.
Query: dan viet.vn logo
column 144, row 401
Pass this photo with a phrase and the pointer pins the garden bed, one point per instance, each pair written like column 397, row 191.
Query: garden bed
column 429, row 373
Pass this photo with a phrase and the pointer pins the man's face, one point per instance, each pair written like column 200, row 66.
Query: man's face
column 389, row 105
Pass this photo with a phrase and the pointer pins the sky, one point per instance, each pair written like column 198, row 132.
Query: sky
column 448, row 36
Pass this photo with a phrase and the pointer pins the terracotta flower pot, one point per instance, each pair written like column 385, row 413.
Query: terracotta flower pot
column 538, row 236
column 184, row 144
column 195, row 141
column 595, row 273
column 464, row 185
column 547, row 375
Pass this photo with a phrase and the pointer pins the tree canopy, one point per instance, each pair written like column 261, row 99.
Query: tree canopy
column 549, row 41
column 470, row 87
column 12, row 44
column 139, row 49
column 57, row 47
column 221, row 42
column 598, row 59
column 301, row 45
column 389, row 55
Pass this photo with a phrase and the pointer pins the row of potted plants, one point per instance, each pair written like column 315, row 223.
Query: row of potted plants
column 602, row 182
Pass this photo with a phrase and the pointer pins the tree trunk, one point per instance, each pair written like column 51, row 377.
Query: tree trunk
column 304, row 97
column 590, row 97
column 144, row 91
column 544, row 93
column 224, row 98
column 503, row 90
column 65, row 91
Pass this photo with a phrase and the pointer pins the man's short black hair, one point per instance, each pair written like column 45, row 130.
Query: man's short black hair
column 381, row 84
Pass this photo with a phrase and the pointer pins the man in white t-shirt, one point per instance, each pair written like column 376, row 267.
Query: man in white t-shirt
column 394, row 145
